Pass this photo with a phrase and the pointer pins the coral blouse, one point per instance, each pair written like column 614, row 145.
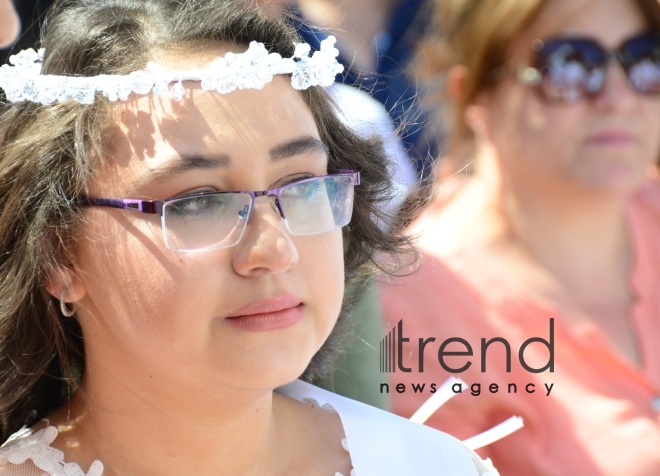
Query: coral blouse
column 602, row 416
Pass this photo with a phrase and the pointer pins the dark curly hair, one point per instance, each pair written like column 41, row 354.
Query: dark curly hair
column 49, row 153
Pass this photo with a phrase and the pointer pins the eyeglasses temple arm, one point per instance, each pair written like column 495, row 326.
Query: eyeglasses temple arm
column 528, row 75
column 356, row 175
column 142, row 206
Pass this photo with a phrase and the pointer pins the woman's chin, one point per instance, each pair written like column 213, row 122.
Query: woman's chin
column 621, row 183
column 265, row 371
column 616, row 173
column 616, row 177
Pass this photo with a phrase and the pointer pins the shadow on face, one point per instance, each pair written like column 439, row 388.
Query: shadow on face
column 148, row 309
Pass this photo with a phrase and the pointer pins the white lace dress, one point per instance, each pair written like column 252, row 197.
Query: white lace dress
column 380, row 443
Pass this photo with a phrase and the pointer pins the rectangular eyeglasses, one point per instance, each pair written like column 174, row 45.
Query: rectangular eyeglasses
column 214, row 220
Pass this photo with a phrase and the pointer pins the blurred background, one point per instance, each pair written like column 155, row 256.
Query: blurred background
column 529, row 130
column 26, row 15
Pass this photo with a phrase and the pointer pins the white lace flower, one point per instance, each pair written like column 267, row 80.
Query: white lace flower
column 22, row 79
column 25, row 444
column 312, row 402
column 344, row 444
column 320, row 69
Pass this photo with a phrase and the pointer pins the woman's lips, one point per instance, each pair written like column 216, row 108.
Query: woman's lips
column 267, row 314
column 612, row 138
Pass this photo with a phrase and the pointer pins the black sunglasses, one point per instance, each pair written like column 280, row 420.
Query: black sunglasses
column 568, row 69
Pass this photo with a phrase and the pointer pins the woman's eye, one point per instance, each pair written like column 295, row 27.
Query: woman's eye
column 292, row 180
column 307, row 190
column 199, row 205
column 298, row 178
column 199, row 191
column 196, row 204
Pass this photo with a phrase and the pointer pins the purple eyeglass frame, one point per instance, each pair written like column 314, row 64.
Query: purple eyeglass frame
column 155, row 207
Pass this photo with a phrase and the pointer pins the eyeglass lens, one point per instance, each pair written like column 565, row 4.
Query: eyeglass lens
column 205, row 221
column 317, row 206
column 574, row 68
column 218, row 220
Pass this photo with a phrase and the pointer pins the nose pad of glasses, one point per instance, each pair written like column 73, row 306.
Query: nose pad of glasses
column 275, row 203
column 244, row 212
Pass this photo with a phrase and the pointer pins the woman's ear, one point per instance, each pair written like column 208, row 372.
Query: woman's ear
column 475, row 118
column 456, row 77
column 66, row 283
column 474, row 114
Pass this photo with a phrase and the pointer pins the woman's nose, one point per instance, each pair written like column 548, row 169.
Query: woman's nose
column 266, row 246
column 617, row 93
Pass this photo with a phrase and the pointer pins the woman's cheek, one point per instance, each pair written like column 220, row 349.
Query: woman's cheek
column 327, row 268
column 539, row 143
column 165, row 308
column 139, row 292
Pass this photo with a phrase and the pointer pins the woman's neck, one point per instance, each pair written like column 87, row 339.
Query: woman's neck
column 136, row 423
column 579, row 235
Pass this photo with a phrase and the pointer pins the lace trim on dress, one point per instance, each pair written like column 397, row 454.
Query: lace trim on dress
column 25, row 445
column 344, row 442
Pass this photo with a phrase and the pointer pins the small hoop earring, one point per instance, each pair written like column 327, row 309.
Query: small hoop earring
column 63, row 307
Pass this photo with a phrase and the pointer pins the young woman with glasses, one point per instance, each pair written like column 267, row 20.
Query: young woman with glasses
column 549, row 212
column 178, row 221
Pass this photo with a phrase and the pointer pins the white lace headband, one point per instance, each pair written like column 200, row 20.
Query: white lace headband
column 250, row 70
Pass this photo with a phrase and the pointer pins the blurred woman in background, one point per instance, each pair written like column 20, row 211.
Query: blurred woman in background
column 557, row 111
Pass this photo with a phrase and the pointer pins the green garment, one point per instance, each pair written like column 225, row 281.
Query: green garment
column 357, row 373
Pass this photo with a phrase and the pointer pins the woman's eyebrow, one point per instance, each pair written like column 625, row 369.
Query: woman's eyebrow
column 298, row 146
column 181, row 164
